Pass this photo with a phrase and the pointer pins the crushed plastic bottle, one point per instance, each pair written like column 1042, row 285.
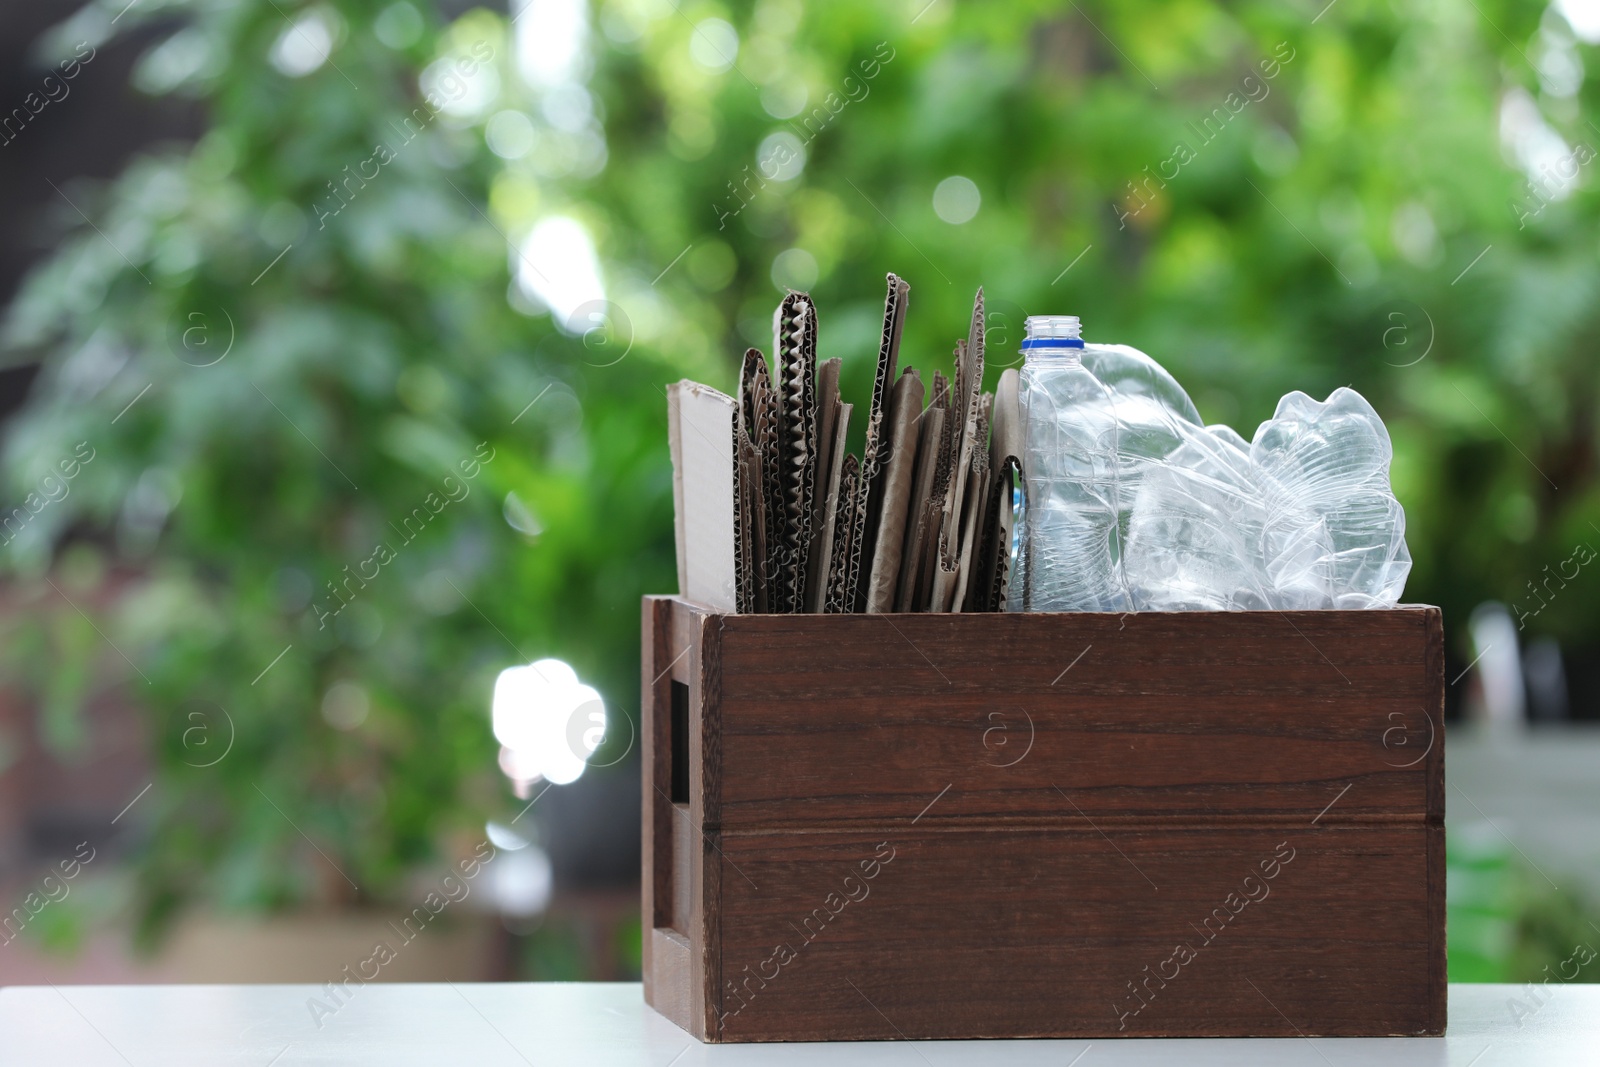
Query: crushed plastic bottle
column 1197, row 519
column 1323, row 469
column 1095, row 418
column 1131, row 504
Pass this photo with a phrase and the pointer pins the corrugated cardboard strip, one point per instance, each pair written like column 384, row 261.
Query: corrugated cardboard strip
column 773, row 514
column 795, row 339
column 874, row 453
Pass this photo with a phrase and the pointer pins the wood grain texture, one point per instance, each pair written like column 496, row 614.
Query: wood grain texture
column 1069, row 799
column 1049, row 933
column 655, row 883
column 674, row 911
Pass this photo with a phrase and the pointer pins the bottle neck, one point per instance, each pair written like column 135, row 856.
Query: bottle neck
column 1052, row 338
column 1052, row 350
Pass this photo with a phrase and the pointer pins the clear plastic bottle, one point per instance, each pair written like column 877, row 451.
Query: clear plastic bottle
column 1095, row 418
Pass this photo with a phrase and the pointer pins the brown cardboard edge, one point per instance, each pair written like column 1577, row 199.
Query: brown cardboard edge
column 846, row 536
column 828, row 457
column 972, row 530
column 888, row 542
column 969, row 387
column 916, row 509
column 869, row 489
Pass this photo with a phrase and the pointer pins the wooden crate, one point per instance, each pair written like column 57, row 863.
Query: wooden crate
column 1053, row 825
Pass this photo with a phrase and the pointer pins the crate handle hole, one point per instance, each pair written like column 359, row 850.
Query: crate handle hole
column 680, row 743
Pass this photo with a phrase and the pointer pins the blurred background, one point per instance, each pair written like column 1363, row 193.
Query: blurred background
column 334, row 355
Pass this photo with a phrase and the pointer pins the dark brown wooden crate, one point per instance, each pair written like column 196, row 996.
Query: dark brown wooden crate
column 1067, row 803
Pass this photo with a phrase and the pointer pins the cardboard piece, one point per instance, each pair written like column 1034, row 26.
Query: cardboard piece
column 1005, row 438
column 700, row 427
column 823, row 504
column 1004, row 520
column 874, row 452
column 773, row 515
column 795, row 350
column 928, row 552
column 844, row 549
column 758, row 410
column 916, row 535
column 905, row 413
column 969, row 381
column 834, row 490
column 751, row 529
column 1005, row 472
column 974, row 529
column 971, row 530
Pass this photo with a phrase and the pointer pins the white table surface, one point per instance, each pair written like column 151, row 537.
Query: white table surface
column 608, row 1025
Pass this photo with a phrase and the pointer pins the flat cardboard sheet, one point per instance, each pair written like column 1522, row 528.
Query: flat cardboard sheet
column 700, row 429
column 829, row 457
column 917, row 513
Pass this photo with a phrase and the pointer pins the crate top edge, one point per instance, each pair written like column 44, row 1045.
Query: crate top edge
column 1399, row 610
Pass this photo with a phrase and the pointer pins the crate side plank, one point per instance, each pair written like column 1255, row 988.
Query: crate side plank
column 1031, row 652
column 970, row 933
column 1172, row 720
column 655, row 828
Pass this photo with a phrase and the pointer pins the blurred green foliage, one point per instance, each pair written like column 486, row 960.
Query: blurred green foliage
column 259, row 424
column 1507, row 922
column 1351, row 216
